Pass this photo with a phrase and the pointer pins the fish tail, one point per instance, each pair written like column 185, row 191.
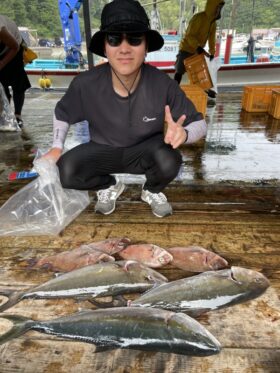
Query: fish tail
column 13, row 298
column 20, row 326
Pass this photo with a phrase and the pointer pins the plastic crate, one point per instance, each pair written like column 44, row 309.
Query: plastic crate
column 274, row 108
column 197, row 96
column 257, row 98
column 198, row 72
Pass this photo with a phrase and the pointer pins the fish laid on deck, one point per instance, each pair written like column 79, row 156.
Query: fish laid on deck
column 131, row 328
column 151, row 255
column 205, row 292
column 72, row 259
column 98, row 280
column 84, row 255
column 191, row 258
column 196, row 259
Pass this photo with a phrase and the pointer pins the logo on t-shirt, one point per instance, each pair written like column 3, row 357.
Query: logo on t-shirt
column 146, row 119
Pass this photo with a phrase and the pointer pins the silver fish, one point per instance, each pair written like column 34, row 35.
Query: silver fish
column 205, row 292
column 98, row 280
column 130, row 328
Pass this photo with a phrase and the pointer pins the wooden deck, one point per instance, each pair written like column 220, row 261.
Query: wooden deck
column 227, row 200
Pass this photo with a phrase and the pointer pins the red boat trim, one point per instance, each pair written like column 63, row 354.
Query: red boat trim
column 253, row 66
column 54, row 72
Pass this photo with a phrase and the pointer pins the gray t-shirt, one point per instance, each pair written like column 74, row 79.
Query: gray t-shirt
column 123, row 121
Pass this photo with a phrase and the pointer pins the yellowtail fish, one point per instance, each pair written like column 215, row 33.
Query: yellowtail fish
column 98, row 280
column 128, row 328
column 205, row 292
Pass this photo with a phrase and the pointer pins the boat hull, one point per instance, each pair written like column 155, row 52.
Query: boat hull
column 233, row 75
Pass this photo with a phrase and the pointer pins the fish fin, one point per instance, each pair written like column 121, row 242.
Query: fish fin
column 13, row 298
column 123, row 264
column 20, row 326
column 94, row 302
column 153, row 287
column 128, row 263
column 101, row 304
column 117, row 301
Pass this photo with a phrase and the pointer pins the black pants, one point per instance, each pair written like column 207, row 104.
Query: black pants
column 179, row 65
column 89, row 166
column 14, row 75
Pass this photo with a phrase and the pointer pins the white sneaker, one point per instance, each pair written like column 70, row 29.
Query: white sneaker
column 158, row 202
column 106, row 198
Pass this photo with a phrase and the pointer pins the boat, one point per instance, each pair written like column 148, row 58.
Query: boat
column 229, row 75
column 266, row 69
column 30, row 37
column 238, row 72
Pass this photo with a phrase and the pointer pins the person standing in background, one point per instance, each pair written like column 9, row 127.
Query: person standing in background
column 12, row 73
column 201, row 29
column 251, row 49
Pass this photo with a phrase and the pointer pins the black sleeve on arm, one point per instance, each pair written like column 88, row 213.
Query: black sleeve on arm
column 69, row 108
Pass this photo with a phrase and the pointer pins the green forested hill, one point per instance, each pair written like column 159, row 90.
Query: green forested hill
column 43, row 15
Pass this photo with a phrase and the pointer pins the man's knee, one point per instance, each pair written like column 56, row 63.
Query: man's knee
column 169, row 162
column 66, row 173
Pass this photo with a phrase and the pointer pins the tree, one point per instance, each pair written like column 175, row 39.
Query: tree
column 7, row 8
column 44, row 15
column 20, row 16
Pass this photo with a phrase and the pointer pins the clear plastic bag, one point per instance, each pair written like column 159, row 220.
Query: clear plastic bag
column 8, row 120
column 42, row 207
column 213, row 67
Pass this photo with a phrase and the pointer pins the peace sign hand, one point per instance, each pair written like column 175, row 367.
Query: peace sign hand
column 175, row 134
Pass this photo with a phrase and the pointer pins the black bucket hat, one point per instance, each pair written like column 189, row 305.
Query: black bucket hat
column 124, row 16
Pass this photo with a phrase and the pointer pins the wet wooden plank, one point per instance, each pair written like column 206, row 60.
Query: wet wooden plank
column 88, row 223
column 72, row 357
column 258, row 235
column 56, row 356
column 194, row 197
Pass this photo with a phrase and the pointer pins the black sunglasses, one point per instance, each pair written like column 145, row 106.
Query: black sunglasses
column 134, row 39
